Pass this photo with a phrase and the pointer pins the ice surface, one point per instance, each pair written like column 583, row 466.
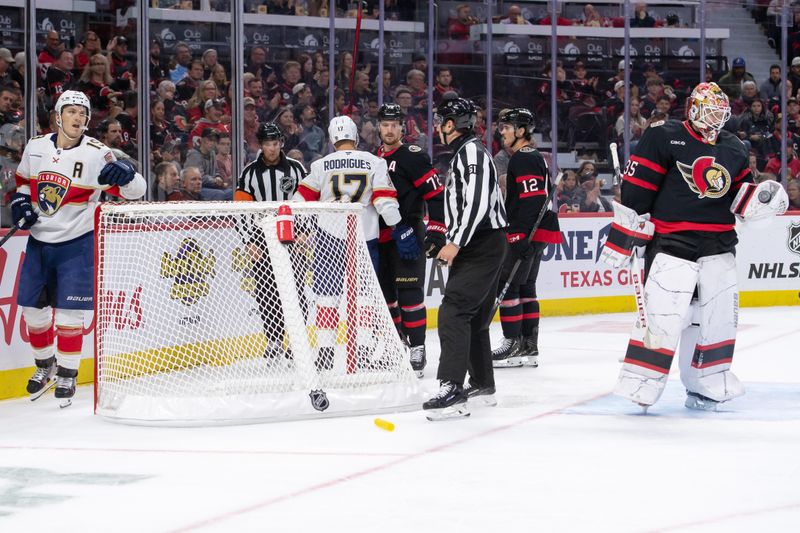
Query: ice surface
column 557, row 454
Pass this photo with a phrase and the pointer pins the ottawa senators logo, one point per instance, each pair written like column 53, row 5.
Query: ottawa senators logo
column 51, row 189
column 706, row 177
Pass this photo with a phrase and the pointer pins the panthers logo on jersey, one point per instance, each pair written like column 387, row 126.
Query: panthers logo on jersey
column 51, row 189
column 706, row 177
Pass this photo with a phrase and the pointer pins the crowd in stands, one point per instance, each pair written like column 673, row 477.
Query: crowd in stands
column 191, row 100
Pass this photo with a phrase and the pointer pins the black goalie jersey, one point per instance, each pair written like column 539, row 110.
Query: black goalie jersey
column 417, row 183
column 684, row 183
column 527, row 190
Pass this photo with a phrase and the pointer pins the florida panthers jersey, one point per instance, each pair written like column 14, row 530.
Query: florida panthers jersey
column 684, row 183
column 357, row 177
column 63, row 185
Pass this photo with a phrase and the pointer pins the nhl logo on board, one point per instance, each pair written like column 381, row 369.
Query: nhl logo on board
column 51, row 188
column 319, row 400
column 793, row 242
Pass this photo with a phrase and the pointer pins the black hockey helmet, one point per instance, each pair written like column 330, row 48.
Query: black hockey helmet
column 461, row 111
column 390, row 112
column 519, row 117
column 269, row 131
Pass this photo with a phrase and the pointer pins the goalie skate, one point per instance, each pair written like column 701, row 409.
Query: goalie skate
column 449, row 402
column 640, row 389
column 699, row 402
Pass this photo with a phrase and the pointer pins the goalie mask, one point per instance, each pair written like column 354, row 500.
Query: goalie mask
column 343, row 129
column 709, row 110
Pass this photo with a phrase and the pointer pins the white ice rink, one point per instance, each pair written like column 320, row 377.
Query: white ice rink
column 557, row 454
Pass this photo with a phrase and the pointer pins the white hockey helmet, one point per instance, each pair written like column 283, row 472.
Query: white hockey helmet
column 343, row 129
column 73, row 98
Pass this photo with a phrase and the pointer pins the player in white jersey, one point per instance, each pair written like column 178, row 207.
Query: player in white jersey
column 349, row 175
column 59, row 182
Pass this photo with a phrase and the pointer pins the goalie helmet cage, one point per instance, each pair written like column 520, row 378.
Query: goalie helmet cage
column 204, row 317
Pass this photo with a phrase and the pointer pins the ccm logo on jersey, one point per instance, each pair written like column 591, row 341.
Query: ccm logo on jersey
column 682, row 143
column 51, row 188
column 706, row 177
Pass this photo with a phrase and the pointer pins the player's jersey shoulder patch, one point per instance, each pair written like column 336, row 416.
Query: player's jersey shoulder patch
column 414, row 148
column 527, row 149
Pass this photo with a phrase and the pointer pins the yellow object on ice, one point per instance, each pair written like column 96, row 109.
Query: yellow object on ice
column 384, row 424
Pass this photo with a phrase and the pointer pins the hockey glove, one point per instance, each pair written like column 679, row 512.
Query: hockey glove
column 22, row 213
column 628, row 231
column 117, row 172
column 407, row 245
column 757, row 202
column 434, row 238
column 519, row 246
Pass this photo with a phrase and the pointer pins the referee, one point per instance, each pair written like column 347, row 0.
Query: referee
column 272, row 177
column 475, row 250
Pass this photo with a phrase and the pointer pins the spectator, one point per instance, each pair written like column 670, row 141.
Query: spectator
column 772, row 87
column 388, row 88
column 89, row 46
column 204, row 157
column 209, row 60
column 109, row 132
column 6, row 66
column 641, row 18
column 49, row 55
column 419, row 90
column 9, row 115
column 220, row 78
column 292, row 75
column 749, row 93
column 753, row 164
column 591, row 17
column 256, row 92
column 794, row 74
column 672, row 20
column 444, row 84
column 585, row 88
column 514, row 16
column 361, row 91
column 188, row 85
column 458, row 28
column 589, row 195
column 793, row 115
column 167, row 178
column 158, row 70
column 756, row 127
column 612, row 82
column 181, row 61
column 793, row 191
column 636, row 123
column 191, row 186
column 257, row 65
column 413, row 124
column 312, row 138
column 567, row 190
column 121, row 67
column 297, row 155
column 206, row 90
column 96, row 83
column 792, row 163
column 343, row 71
column 59, row 76
column 320, row 87
column 284, row 118
column 160, row 129
column 306, row 68
column 174, row 112
column 18, row 72
column 731, row 83
column 419, row 62
column 302, row 95
column 225, row 161
column 128, row 119
column 212, row 119
column 251, row 124
column 339, row 102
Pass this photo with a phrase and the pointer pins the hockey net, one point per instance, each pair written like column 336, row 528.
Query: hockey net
column 204, row 316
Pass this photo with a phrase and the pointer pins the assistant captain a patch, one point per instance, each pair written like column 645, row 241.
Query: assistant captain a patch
column 51, row 189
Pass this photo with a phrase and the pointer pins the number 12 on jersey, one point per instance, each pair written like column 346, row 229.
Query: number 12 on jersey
column 349, row 185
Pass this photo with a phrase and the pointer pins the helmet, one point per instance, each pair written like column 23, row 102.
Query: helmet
column 460, row 110
column 519, row 117
column 269, row 131
column 73, row 98
column 343, row 128
column 390, row 112
column 709, row 110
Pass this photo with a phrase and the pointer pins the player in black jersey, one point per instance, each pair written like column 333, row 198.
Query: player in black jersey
column 417, row 185
column 683, row 188
column 528, row 189
column 272, row 177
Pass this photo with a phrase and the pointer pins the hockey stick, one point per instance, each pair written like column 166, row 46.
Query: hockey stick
column 11, row 231
column 518, row 262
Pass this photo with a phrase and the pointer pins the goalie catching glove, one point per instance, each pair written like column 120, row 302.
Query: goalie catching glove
column 628, row 231
column 435, row 238
column 757, row 202
column 118, row 173
column 406, row 240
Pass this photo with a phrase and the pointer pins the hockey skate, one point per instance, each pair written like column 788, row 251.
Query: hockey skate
column 449, row 402
column 477, row 395
column 42, row 380
column 699, row 402
column 65, row 386
column 529, row 349
column 418, row 360
column 508, row 354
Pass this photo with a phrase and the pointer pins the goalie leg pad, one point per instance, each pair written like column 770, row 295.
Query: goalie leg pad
column 708, row 371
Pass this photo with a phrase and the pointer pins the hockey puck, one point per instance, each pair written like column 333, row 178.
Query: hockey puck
column 764, row 197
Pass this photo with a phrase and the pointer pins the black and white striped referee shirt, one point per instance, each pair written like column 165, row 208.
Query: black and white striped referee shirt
column 260, row 182
column 472, row 196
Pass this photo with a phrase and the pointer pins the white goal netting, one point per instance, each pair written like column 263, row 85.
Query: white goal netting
column 204, row 316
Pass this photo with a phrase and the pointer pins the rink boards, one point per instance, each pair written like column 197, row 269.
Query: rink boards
column 571, row 281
